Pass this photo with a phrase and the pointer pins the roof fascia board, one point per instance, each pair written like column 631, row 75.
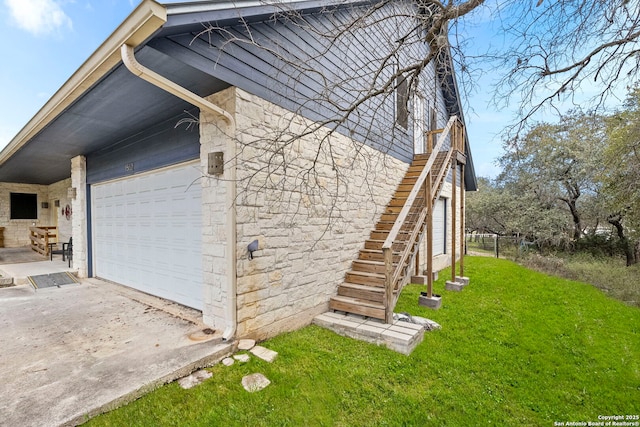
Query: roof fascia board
column 181, row 14
column 252, row 5
column 141, row 24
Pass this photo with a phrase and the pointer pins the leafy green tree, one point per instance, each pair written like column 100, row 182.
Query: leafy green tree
column 503, row 209
column 621, row 178
column 558, row 164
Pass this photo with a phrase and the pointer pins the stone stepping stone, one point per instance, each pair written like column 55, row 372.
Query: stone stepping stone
column 264, row 353
column 255, row 382
column 246, row 344
column 228, row 361
column 194, row 379
column 242, row 358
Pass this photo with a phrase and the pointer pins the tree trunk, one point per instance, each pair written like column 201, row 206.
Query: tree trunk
column 627, row 247
column 575, row 215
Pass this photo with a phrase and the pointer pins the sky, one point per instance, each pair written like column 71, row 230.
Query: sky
column 44, row 41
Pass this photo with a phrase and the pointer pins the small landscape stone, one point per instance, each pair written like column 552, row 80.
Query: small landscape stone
column 402, row 317
column 194, row 379
column 428, row 324
column 227, row 361
column 242, row 358
column 246, row 344
column 264, row 353
column 255, row 382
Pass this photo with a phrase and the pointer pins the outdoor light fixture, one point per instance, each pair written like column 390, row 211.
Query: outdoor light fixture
column 253, row 246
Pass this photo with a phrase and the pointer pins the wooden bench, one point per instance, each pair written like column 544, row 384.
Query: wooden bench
column 41, row 238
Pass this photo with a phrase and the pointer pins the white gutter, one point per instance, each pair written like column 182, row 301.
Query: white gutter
column 129, row 60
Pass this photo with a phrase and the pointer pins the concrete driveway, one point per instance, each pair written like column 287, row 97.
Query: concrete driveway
column 71, row 352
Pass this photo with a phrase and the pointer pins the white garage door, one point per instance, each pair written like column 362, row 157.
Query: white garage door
column 440, row 227
column 147, row 233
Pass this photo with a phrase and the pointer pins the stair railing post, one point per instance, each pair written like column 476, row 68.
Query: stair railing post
column 429, row 254
column 454, row 214
column 462, row 240
column 388, row 285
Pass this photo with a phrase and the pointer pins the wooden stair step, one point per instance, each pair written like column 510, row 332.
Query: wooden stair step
column 384, row 225
column 388, row 225
column 357, row 306
column 397, row 202
column 369, row 266
column 409, row 180
column 388, row 217
column 382, row 235
column 365, row 278
column 405, row 187
column 361, row 292
column 393, row 209
column 376, row 255
column 373, row 244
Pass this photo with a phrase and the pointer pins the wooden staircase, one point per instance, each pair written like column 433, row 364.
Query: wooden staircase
column 376, row 278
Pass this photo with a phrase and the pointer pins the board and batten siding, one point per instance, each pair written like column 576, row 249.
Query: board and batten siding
column 297, row 65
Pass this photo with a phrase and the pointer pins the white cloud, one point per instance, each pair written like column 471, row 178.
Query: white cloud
column 39, row 17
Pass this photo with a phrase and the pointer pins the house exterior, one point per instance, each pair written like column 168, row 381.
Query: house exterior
column 164, row 180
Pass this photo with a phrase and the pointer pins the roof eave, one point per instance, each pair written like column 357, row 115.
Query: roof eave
column 141, row 24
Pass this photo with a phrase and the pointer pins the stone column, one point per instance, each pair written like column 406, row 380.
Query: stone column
column 218, row 219
column 79, row 217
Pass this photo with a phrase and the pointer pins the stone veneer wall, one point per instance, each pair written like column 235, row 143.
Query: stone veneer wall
column 218, row 213
column 79, row 216
column 58, row 191
column 310, row 223
column 16, row 232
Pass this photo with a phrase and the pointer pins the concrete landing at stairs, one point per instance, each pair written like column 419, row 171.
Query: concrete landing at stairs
column 400, row 336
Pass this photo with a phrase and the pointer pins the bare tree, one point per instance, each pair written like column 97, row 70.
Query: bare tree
column 551, row 50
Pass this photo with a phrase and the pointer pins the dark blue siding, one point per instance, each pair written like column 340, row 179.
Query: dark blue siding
column 297, row 65
column 157, row 146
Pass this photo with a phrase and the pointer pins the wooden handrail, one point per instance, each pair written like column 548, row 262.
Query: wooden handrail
column 392, row 275
column 416, row 188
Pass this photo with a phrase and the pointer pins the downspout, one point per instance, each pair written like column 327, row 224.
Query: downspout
column 129, row 60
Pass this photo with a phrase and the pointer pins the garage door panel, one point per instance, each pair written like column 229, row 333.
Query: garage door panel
column 147, row 233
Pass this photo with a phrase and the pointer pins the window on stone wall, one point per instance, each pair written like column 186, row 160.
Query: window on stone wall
column 24, row 206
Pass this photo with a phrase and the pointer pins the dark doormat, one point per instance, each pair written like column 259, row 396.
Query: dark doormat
column 51, row 280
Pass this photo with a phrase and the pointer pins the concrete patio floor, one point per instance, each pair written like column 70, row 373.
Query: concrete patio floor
column 71, row 352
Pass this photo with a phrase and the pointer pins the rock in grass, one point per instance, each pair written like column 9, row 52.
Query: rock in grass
column 194, row 379
column 255, row 382
column 264, row 353
column 428, row 324
column 242, row 358
column 228, row 361
column 246, row 344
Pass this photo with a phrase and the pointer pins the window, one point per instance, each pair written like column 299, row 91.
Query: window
column 24, row 206
column 433, row 119
column 402, row 101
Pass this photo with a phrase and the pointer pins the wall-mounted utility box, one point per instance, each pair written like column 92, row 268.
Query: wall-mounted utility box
column 216, row 163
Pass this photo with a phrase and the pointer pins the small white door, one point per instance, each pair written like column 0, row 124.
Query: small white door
column 147, row 232
column 418, row 124
column 440, row 227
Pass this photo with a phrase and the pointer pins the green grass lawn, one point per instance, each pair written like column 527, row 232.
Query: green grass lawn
column 517, row 348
